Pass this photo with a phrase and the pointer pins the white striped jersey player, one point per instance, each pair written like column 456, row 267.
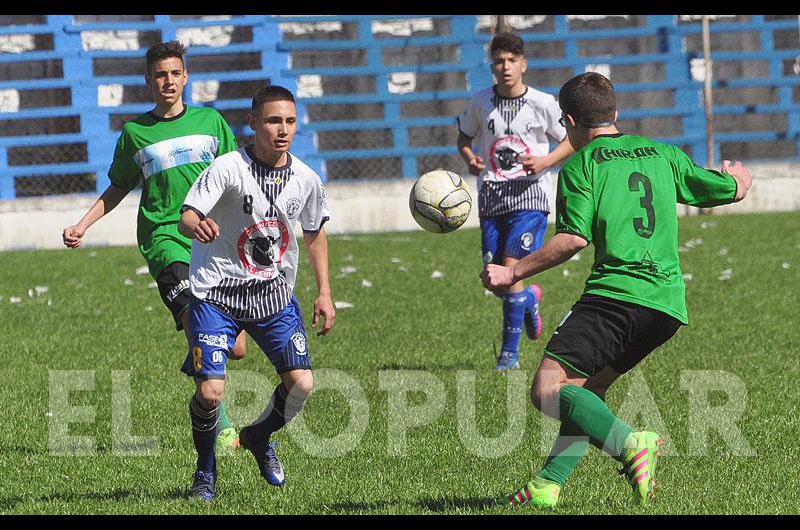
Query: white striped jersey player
column 249, row 271
column 503, row 130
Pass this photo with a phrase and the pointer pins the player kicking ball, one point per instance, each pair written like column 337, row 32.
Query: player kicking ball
column 242, row 211
column 620, row 192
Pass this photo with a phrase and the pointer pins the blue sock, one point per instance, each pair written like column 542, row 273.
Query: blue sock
column 204, row 434
column 514, row 305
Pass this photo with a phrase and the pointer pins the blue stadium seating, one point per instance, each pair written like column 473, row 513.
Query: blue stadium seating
column 383, row 99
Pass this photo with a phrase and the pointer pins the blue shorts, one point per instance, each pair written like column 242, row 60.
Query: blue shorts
column 282, row 337
column 513, row 235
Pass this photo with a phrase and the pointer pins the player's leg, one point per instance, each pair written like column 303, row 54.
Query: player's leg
column 210, row 340
column 492, row 234
column 283, row 339
column 525, row 235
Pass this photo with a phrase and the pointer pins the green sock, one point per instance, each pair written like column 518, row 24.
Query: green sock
column 565, row 455
column 586, row 411
column 224, row 420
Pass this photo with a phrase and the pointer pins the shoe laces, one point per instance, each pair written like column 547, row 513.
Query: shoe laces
column 272, row 459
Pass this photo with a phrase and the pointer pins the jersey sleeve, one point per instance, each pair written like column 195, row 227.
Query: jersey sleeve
column 575, row 206
column 124, row 172
column 468, row 122
column 206, row 191
column 316, row 210
column 555, row 130
column 697, row 186
column 227, row 141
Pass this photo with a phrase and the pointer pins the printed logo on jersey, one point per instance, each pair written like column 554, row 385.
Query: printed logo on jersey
column 506, row 155
column 262, row 246
column 604, row 154
column 220, row 341
column 299, row 341
column 292, row 207
column 526, row 240
column 176, row 152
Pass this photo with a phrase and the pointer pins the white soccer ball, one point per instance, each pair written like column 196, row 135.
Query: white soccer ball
column 440, row 201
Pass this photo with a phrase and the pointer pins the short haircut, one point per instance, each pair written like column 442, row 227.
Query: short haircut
column 164, row 50
column 589, row 98
column 268, row 94
column 507, row 42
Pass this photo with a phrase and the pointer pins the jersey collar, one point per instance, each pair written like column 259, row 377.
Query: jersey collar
column 176, row 117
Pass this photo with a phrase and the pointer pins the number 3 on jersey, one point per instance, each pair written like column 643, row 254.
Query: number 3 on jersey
column 646, row 201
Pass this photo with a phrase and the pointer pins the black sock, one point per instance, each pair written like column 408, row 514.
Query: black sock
column 204, row 434
column 282, row 407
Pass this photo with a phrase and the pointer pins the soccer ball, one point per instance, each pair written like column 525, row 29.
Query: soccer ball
column 440, row 201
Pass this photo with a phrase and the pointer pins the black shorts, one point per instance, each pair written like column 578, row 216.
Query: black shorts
column 173, row 284
column 600, row 332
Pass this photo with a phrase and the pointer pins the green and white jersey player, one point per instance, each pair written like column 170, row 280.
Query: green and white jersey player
column 164, row 150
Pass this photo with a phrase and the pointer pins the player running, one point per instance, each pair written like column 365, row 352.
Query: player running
column 165, row 150
column 242, row 211
column 510, row 125
column 620, row 192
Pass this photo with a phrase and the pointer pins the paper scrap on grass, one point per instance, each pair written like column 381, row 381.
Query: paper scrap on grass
column 49, row 302
column 348, row 270
column 396, row 260
column 437, row 274
column 402, row 269
column 152, row 285
column 93, row 254
column 688, row 276
column 725, row 275
column 148, row 308
column 15, row 299
column 487, row 292
column 338, row 304
column 576, row 257
column 128, row 281
column 708, row 224
column 349, row 257
column 41, row 289
column 142, row 270
column 565, row 272
column 30, row 293
column 785, row 265
column 366, row 283
column 723, row 251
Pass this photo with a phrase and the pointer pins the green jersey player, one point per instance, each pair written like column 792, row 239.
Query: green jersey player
column 164, row 150
column 619, row 192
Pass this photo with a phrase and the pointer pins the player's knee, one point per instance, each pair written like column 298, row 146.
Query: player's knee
column 210, row 396
column 302, row 385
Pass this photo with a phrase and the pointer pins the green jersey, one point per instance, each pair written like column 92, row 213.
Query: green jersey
column 620, row 192
column 166, row 155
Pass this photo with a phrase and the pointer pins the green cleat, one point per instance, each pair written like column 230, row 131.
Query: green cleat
column 227, row 440
column 642, row 450
column 538, row 492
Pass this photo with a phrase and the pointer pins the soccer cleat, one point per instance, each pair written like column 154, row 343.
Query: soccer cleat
column 533, row 319
column 264, row 453
column 507, row 361
column 639, row 467
column 227, row 440
column 538, row 492
column 203, row 486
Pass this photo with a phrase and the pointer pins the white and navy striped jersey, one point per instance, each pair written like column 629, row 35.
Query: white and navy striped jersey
column 503, row 130
column 250, row 269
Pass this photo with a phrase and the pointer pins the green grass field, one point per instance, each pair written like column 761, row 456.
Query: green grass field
column 91, row 319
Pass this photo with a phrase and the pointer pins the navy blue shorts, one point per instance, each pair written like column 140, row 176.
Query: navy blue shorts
column 282, row 337
column 513, row 235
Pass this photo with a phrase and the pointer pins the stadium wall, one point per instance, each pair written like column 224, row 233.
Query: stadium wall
column 358, row 207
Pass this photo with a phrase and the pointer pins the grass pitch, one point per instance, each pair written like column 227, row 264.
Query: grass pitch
column 94, row 316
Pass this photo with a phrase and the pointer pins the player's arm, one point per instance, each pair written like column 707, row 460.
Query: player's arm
column 704, row 188
column 317, row 247
column 107, row 201
column 555, row 251
column 741, row 175
column 474, row 162
column 193, row 226
column 539, row 164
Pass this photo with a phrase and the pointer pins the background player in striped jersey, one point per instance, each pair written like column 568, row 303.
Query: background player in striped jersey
column 619, row 191
column 243, row 210
column 165, row 150
column 504, row 137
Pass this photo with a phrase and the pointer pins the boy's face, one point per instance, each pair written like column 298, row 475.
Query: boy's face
column 166, row 80
column 275, row 126
column 508, row 68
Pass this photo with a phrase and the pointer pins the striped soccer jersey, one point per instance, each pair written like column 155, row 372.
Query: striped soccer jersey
column 503, row 130
column 250, row 269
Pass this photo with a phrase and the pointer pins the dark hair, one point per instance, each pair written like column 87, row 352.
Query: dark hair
column 164, row 50
column 270, row 93
column 590, row 99
column 507, row 42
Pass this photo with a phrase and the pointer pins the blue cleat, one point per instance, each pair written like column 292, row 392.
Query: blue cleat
column 533, row 319
column 203, row 486
column 268, row 463
column 507, row 361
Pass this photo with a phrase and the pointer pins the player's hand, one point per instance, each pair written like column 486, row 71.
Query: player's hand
column 72, row 236
column 534, row 165
column 323, row 306
column 206, row 230
column 496, row 277
column 742, row 176
column 476, row 166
